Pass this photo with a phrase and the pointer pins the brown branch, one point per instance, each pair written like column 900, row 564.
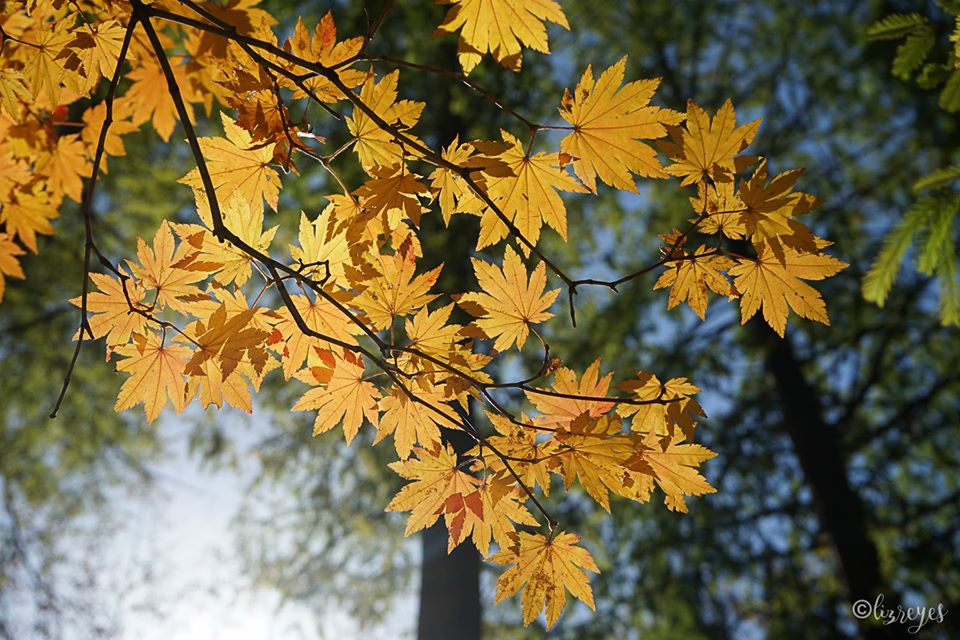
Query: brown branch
column 86, row 212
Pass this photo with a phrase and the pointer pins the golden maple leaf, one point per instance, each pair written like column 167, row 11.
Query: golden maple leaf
column 237, row 166
column 777, row 285
column 231, row 264
column 148, row 97
column 323, row 47
column 9, row 265
column 227, row 339
column 321, row 316
column 544, row 568
column 610, row 121
column 769, row 209
column 395, row 290
column 570, row 403
column 501, row 28
column 66, row 166
column 691, row 276
column 324, row 249
column 719, row 210
column 594, row 451
column 415, row 422
column 675, row 471
column 121, row 125
column 666, row 407
column 492, row 511
column 435, row 477
column 214, row 388
column 12, row 92
column 708, row 148
column 109, row 309
column 509, row 302
column 156, row 374
column 528, row 195
column 44, row 69
column 160, row 270
column 394, row 193
column 452, row 191
column 27, row 213
column 531, row 457
column 374, row 145
column 93, row 51
column 340, row 396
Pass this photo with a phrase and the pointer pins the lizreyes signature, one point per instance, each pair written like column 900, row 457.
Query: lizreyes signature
column 917, row 617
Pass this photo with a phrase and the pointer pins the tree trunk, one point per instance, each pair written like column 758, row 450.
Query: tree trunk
column 841, row 513
column 450, row 584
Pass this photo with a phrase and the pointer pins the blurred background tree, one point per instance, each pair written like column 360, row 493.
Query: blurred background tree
column 837, row 466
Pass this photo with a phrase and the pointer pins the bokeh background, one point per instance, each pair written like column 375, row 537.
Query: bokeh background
column 838, row 456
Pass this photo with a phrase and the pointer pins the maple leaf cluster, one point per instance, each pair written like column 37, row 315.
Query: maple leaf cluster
column 207, row 309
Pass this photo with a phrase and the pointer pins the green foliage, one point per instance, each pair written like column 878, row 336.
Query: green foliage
column 879, row 280
column 930, row 222
column 895, row 26
column 932, row 217
column 950, row 96
column 939, row 178
column 913, row 51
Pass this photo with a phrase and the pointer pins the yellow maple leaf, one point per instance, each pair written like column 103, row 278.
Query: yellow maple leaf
column 436, row 476
column 675, row 470
column 593, row 451
column 413, row 422
column 491, row 512
column 324, row 250
column 769, row 209
column 65, row 167
column 237, row 166
column 666, row 406
column 227, row 339
column 719, row 210
column 570, row 405
column 121, row 125
column 341, row 396
column 323, row 47
column 394, row 193
column 374, row 145
column 27, row 213
column 395, row 290
column 530, row 457
column 14, row 173
column 708, row 148
column 320, row 315
column 9, row 265
column 430, row 332
column 93, row 51
column 231, row 264
column 453, row 192
column 43, row 68
column 215, row 388
column 501, row 28
column 545, row 568
column 159, row 270
column 156, row 374
column 690, row 277
column 109, row 309
column 610, row 121
column 528, row 195
column 778, row 286
column 12, row 92
column 510, row 302
column 148, row 97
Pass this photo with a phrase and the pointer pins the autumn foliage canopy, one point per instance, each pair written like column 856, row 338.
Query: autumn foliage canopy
column 204, row 311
